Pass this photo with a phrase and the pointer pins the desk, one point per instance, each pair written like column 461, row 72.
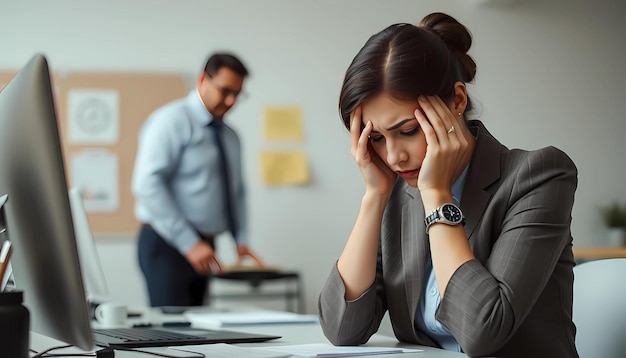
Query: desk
column 593, row 253
column 299, row 333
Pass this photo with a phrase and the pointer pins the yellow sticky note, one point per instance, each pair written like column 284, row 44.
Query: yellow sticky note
column 281, row 168
column 283, row 123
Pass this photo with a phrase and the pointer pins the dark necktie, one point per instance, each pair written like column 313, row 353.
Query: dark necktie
column 216, row 126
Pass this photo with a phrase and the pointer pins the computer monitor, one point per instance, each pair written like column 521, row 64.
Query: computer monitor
column 39, row 221
column 96, row 288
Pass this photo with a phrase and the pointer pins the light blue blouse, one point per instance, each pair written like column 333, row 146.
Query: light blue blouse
column 429, row 302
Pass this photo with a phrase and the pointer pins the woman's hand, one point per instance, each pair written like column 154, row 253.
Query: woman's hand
column 448, row 149
column 379, row 179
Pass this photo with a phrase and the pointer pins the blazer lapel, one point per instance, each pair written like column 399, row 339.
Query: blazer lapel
column 484, row 170
column 415, row 246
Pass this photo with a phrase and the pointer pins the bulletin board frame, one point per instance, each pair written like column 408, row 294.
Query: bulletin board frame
column 139, row 95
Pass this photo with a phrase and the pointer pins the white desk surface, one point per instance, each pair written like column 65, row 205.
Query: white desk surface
column 294, row 333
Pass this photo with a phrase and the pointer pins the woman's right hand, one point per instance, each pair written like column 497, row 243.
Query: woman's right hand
column 379, row 179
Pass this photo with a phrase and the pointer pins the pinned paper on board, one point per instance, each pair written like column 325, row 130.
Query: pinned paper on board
column 93, row 116
column 281, row 168
column 283, row 123
column 95, row 172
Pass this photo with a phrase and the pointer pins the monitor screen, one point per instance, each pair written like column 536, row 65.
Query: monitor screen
column 93, row 275
column 39, row 223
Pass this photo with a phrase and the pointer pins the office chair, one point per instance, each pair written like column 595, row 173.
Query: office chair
column 599, row 310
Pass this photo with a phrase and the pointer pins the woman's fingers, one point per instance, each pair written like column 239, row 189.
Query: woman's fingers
column 436, row 122
column 360, row 138
column 362, row 149
column 355, row 129
column 377, row 175
column 447, row 143
column 426, row 127
column 437, row 114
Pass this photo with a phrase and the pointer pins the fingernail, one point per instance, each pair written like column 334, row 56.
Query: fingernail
column 422, row 98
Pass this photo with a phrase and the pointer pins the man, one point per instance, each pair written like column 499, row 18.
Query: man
column 188, row 187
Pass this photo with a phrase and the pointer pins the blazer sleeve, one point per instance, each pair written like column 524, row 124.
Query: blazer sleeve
column 486, row 300
column 351, row 322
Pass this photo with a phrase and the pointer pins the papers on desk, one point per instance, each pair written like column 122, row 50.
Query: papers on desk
column 221, row 319
column 301, row 350
column 223, row 350
column 328, row 350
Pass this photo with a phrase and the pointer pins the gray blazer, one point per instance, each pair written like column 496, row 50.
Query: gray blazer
column 515, row 298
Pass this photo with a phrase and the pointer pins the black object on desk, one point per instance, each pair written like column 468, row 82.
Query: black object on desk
column 14, row 325
column 256, row 277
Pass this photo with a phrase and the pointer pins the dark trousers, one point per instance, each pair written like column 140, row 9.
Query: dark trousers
column 170, row 279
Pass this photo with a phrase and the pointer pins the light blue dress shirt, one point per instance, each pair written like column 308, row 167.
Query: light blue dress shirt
column 176, row 179
column 429, row 301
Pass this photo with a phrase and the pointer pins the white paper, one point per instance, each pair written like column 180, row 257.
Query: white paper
column 95, row 173
column 328, row 350
column 93, row 116
column 223, row 350
column 219, row 319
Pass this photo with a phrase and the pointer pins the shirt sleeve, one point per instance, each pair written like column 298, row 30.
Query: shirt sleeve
column 161, row 141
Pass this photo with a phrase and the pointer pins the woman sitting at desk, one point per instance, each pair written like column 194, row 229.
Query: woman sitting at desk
column 465, row 242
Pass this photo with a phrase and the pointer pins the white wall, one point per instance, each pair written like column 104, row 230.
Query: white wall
column 549, row 73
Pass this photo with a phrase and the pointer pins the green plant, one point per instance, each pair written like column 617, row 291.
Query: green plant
column 614, row 215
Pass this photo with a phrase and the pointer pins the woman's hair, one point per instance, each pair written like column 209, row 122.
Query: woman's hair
column 407, row 61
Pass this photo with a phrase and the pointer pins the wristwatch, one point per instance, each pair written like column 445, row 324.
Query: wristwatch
column 447, row 213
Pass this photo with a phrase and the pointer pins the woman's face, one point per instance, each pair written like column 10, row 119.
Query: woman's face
column 396, row 135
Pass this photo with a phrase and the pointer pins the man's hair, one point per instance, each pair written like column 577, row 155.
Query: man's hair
column 219, row 60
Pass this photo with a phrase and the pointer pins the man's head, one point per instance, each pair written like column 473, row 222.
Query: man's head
column 221, row 83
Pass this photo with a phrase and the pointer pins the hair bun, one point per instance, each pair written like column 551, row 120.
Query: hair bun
column 456, row 36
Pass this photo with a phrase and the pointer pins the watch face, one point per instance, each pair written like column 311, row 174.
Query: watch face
column 451, row 213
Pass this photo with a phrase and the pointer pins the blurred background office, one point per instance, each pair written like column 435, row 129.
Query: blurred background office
column 549, row 73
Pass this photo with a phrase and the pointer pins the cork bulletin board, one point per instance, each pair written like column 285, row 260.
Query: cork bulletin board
column 137, row 95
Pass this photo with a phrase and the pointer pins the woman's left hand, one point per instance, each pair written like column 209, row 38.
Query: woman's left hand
column 448, row 145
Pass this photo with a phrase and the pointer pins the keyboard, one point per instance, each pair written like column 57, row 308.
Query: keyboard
column 145, row 337
column 138, row 337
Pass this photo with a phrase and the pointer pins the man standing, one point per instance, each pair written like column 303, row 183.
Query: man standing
column 188, row 187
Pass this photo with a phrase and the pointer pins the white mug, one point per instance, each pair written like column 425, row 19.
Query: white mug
column 111, row 314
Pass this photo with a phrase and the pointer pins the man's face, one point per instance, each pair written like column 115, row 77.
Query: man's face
column 219, row 92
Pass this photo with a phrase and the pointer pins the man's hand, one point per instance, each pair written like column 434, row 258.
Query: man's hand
column 244, row 251
column 202, row 258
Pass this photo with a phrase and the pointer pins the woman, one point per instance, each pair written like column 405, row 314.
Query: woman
column 466, row 242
